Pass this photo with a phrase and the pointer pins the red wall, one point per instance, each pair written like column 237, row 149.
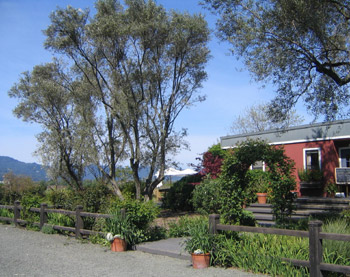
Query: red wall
column 329, row 157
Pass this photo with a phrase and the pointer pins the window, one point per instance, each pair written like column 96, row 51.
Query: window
column 312, row 158
column 260, row 165
column 344, row 156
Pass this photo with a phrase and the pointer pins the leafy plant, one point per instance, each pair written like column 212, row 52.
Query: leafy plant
column 260, row 253
column 140, row 213
column 47, row 229
column 182, row 227
column 30, row 201
column 178, row 198
column 259, row 181
column 331, row 188
column 206, row 196
column 6, row 213
column 310, row 175
column 200, row 238
column 120, row 225
column 60, row 219
column 337, row 252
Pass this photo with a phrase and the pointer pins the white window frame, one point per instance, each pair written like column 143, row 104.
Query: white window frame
column 319, row 156
column 263, row 166
column 342, row 148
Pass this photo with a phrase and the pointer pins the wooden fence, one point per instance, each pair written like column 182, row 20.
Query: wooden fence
column 78, row 214
column 314, row 235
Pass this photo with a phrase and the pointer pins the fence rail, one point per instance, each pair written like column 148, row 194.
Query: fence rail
column 314, row 235
column 44, row 210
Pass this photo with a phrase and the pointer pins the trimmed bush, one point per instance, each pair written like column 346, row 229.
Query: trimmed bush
column 206, row 196
column 178, row 198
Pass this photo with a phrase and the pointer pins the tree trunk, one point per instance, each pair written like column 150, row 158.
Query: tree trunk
column 117, row 190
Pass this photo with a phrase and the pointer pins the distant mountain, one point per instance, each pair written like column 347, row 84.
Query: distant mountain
column 37, row 172
column 33, row 170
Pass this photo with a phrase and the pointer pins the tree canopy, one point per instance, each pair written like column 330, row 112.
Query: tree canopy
column 135, row 67
column 256, row 119
column 302, row 46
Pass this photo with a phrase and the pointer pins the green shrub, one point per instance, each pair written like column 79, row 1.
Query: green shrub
column 337, row 252
column 6, row 213
column 95, row 197
column 140, row 213
column 57, row 197
column 199, row 239
column 182, row 227
column 258, row 181
column 247, row 219
column 47, row 229
column 60, row 219
column 178, row 198
column 154, row 233
column 30, row 201
column 65, row 198
column 260, row 253
column 206, row 196
column 310, row 175
column 123, row 226
column 97, row 239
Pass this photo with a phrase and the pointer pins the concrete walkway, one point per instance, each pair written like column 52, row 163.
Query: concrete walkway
column 168, row 247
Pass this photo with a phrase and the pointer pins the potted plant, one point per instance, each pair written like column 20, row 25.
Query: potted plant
column 331, row 189
column 310, row 178
column 259, row 181
column 120, row 232
column 200, row 245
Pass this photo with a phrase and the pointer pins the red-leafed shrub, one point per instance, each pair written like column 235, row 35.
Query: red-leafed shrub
column 212, row 161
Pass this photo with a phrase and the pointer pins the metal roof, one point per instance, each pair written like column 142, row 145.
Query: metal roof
column 305, row 133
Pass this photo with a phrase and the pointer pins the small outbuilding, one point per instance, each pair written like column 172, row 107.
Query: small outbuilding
column 322, row 147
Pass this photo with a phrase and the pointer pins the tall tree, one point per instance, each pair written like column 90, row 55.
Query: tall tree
column 138, row 68
column 45, row 96
column 256, row 119
column 300, row 45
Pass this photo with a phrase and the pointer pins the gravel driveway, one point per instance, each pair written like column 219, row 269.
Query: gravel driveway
column 30, row 253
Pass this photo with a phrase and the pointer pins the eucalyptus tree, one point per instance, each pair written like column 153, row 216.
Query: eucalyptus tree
column 141, row 64
column 302, row 46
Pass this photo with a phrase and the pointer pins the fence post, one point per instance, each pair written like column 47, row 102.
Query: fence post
column 16, row 212
column 214, row 219
column 79, row 224
column 315, row 248
column 123, row 213
column 43, row 215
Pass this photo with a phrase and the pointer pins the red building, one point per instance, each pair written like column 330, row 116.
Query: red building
column 321, row 146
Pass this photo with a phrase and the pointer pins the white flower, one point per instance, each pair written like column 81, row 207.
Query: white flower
column 198, row 251
column 109, row 236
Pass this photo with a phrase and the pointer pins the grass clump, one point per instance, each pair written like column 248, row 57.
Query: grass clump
column 183, row 227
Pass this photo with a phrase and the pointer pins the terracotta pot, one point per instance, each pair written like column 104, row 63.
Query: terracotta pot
column 262, row 198
column 200, row 260
column 118, row 245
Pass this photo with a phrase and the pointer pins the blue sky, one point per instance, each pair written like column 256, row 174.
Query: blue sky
column 229, row 88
